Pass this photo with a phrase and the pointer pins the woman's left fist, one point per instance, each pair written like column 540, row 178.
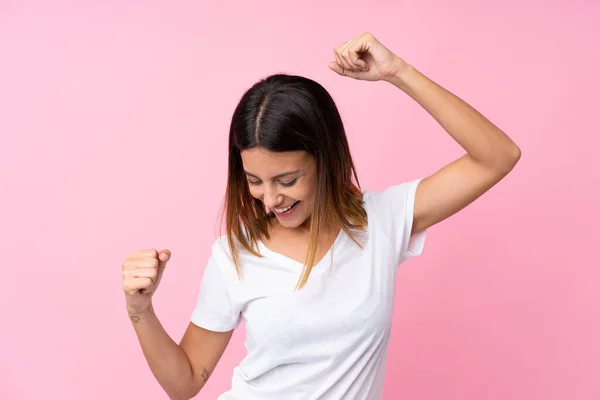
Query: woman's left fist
column 365, row 58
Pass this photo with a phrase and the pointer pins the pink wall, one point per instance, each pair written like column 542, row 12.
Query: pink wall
column 113, row 130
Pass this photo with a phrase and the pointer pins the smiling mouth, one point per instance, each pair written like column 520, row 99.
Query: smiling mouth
column 285, row 209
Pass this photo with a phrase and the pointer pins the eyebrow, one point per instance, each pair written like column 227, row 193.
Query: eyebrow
column 283, row 175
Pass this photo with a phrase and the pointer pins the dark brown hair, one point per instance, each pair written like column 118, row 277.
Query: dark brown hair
column 287, row 113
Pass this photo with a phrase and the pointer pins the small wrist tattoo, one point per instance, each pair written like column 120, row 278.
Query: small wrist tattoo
column 135, row 319
column 205, row 375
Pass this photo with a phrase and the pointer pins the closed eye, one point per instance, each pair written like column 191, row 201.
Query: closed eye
column 284, row 184
column 290, row 183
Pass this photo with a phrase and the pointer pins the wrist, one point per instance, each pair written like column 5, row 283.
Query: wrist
column 137, row 313
column 401, row 75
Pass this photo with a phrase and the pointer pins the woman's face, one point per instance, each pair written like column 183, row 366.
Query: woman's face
column 282, row 180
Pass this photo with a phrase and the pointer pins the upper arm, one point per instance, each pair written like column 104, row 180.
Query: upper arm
column 453, row 187
column 216, row 314
column 204, row 349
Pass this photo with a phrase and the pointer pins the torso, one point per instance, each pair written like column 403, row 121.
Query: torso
column 329, row 339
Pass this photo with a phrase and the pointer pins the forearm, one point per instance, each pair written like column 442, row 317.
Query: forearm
column 168, row 362
column 482, row 140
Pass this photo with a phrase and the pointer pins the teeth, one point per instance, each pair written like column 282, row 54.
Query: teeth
column 282, row 210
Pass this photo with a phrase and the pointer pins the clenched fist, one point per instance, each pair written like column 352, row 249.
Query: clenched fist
column 366, row 58
column 142, row 270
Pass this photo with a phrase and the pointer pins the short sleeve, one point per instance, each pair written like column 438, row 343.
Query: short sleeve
column 393, row 210
column 215, row 309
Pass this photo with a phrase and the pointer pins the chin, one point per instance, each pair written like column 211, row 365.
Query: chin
column 290, row 224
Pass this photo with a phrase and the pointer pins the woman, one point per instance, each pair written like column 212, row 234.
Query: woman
column 309, row 260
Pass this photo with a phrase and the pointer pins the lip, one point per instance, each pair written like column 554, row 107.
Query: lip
column 286, row 212
column 286, row 206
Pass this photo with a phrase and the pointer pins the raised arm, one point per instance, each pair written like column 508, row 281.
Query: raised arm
column 491, row 154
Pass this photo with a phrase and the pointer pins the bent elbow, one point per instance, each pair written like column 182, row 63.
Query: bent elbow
column 509, row 159
column 188, row 394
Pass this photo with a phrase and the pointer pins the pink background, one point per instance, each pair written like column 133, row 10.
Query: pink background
column 113, row 122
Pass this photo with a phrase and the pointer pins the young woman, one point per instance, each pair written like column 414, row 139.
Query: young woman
column 309, row 260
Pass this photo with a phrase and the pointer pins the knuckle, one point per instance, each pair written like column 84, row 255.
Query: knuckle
column 134, row 253
column 127, row 265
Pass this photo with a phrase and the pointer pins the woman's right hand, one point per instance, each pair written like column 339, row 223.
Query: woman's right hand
column 142, row 271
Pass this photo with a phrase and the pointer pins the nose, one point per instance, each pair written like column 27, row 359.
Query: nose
column 271, row 198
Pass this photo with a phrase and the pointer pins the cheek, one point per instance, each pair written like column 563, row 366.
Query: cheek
column 255, row 192
column 306, row 193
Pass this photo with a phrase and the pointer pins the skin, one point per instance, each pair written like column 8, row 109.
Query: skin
column 264, row 169
column 288, row 235
column 490, row 153
column 182, row 370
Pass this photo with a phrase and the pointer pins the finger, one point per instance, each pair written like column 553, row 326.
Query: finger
column 148, row 262
column 145, row 253
column 348, row 62
column 345, row 54
column 163, row 257
column 360, row 46
column 141, row 272
column 338, row 51
column 350, row 53
column 334, row 66
column 344, row 62
column 151, row 273
column 134, row 285
column 338, row 59
column 355, row 59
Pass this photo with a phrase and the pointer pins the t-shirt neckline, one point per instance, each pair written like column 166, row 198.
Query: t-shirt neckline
column 265, row 251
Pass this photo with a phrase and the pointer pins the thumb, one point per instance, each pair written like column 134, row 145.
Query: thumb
column 335, row 67
column 163, row 257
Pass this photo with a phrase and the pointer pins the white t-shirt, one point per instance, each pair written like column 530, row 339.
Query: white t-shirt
column 329, row 339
